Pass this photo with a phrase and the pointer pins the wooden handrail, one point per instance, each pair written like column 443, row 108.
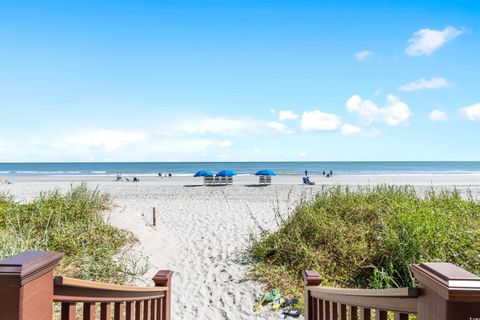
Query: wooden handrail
column 388, row 293
column 445, row 292
column 87, row 284
column 395, row 300
column 76, row 290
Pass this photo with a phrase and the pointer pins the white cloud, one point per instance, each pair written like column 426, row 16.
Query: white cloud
column 350, row 130
column 437, row 115
column 109, row 139
column 394, row 113
column 223, row 126
column 229, row 126
column 317, row 120
column 367, row 110
column 427, row 41
column 287, row 115
column 471, row 112
column 302, row 154
column 364, row 54
column 277, row 126
column 422, row 84
column 107, row 144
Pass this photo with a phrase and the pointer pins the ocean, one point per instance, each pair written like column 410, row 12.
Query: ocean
column 189, row 168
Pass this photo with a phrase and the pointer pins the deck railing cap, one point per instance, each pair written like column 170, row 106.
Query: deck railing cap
column 312, row 278
column 27, row 266
column 448, row 280
column 162, row 277
column 448, row 274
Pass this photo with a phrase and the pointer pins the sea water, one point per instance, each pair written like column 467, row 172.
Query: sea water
column 189, row 168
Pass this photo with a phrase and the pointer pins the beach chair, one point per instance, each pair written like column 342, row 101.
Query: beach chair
column 268, row 180
column 207, row 180
column 217, row 181
column 229, row 180
column 261, row 180
column 223, row 181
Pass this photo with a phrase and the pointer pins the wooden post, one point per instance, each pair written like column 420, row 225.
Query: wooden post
column 163, row 278
column 447, row 292
column 154, row 216
column 311, row 278
column 26, row 285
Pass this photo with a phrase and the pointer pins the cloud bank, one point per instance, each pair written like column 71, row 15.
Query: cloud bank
column 395, row 113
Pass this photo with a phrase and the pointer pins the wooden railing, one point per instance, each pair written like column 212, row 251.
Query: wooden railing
column 28, row 291
column 445, row 292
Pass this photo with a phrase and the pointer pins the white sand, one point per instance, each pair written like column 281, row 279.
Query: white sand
column 202, row 232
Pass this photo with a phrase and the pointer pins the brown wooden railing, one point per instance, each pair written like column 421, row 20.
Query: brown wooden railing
column 445, row 292
column 28, row 291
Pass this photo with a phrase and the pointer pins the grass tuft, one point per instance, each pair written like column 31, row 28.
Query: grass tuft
column 71, row 223
column 367, row 237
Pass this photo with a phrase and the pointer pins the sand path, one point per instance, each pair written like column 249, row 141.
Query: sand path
column 202, row 234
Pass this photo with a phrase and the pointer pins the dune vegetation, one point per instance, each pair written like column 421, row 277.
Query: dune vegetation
column 71, row 223
column 368, row 237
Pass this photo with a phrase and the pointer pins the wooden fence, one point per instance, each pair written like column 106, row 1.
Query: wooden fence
column 28, row 291
column 445, row 292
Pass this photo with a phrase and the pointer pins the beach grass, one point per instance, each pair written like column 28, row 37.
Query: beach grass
column 71, row 223
column 367, row 237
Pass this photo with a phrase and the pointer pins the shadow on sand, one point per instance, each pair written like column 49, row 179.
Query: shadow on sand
column 257, row 185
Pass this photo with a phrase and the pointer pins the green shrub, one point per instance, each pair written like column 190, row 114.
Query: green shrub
column 367, row 238
column 71, row 223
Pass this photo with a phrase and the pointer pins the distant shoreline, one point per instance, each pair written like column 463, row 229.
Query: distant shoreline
column 431, row 179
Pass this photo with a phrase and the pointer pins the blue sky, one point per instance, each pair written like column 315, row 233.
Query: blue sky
column 239, row 80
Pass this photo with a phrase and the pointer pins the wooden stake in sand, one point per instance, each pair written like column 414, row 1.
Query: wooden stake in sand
column 154, row 216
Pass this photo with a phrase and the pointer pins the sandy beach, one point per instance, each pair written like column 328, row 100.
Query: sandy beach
column 202, row 233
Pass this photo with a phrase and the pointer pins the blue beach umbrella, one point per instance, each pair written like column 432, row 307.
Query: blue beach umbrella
column 203, row 173
column 226, row 173
column 265, row 172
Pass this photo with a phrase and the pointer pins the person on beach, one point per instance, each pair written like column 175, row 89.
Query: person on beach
column 323, row 173
column 169, row 174
column 331, row 173
column 119, row 177
column 160, row 175
column 306, row 173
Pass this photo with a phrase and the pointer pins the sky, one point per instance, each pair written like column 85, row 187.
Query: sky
column 239, row 80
